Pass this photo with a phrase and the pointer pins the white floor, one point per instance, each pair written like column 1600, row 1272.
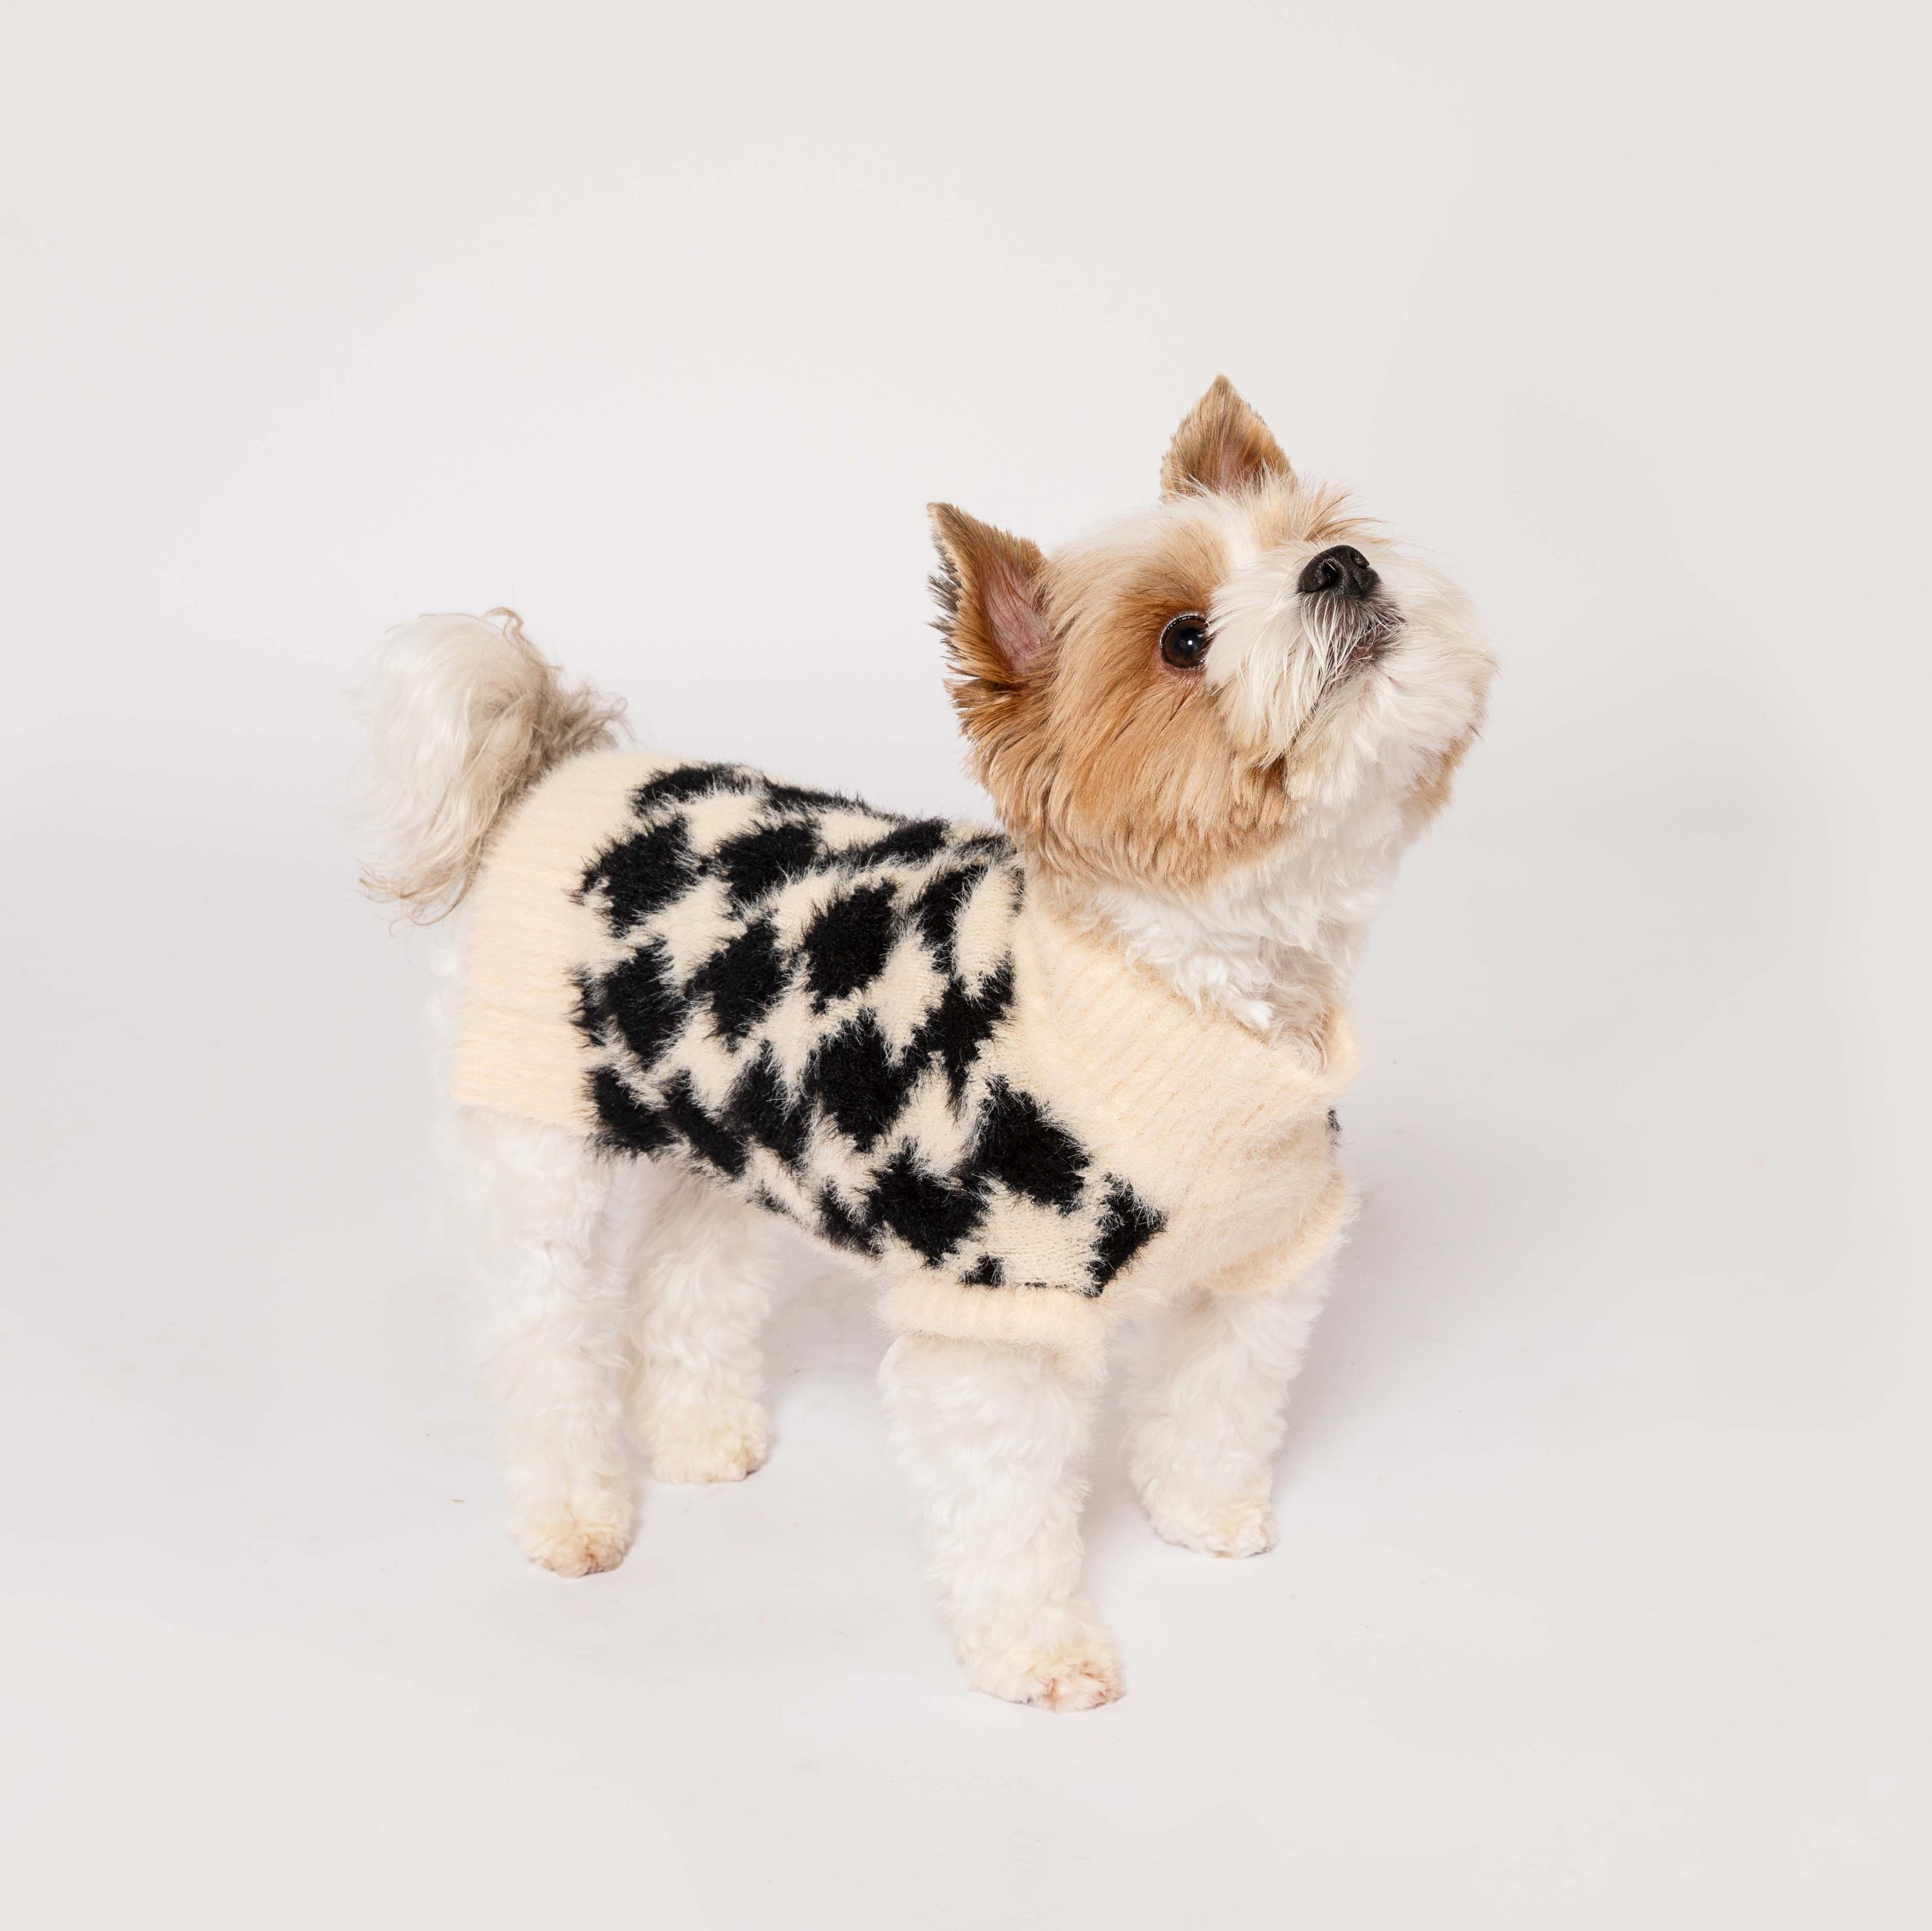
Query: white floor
column 1588, row 1608
column 1601, row 1596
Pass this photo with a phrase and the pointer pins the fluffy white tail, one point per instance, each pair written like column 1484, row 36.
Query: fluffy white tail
column 465, row 715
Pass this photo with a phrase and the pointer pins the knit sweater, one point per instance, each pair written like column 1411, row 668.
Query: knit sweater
column 868, row 1024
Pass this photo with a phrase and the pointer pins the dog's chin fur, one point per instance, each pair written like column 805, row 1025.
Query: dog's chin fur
column 1235, row 823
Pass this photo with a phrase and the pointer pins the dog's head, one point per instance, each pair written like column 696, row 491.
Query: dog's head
column 1248, row 666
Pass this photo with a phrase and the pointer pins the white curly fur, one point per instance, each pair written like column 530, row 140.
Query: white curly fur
column 1208, row 1412
column 464, row 715
column 993, row 1439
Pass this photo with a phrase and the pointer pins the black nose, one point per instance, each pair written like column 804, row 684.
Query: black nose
column 1342, row 569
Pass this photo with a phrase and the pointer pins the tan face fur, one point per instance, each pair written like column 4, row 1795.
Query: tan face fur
column 1108, row 764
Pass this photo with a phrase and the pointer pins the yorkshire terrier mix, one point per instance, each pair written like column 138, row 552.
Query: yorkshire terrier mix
column 1032, row 1079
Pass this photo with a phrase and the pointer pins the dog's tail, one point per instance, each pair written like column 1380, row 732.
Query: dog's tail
column 465, row 715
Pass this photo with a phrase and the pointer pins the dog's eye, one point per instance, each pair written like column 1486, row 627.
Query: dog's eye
column 1183, row 643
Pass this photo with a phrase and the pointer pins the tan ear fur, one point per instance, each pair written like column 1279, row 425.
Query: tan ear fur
column 991, row 592
column 1222, row 445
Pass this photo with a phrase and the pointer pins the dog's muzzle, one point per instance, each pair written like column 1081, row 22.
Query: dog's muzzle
column 1343, row 594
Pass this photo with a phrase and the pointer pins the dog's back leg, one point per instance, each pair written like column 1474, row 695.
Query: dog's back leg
column 700, row 1285
column 536, row 1203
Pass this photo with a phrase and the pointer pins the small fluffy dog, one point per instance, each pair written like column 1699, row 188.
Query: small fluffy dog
column 1032, row 1081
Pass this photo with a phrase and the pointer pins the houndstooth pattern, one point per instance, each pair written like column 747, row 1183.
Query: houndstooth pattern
column 806, row 999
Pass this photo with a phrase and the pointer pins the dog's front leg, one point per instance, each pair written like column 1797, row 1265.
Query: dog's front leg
column 992, row 1438
column 1211, row 1407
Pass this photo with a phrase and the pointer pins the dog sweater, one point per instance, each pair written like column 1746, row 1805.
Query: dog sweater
column 870, row 1025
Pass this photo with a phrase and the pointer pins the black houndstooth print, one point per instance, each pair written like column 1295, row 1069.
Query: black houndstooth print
column 802, row 1001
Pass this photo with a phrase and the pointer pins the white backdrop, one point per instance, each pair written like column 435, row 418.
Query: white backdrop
column 1600, row 1597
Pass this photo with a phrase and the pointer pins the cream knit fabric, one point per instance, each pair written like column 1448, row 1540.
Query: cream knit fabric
column 870, row 1025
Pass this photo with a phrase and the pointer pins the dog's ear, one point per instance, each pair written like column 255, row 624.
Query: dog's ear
column 1221, row 445
column 991, row 592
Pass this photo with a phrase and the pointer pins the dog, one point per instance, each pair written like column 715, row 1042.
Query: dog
column 1033, row 1080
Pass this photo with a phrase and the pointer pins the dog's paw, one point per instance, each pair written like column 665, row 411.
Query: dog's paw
column 569, row 1545
column 1067, row 1662
column 1222, row 1525
column 1065, row 1683
column 725, row 1442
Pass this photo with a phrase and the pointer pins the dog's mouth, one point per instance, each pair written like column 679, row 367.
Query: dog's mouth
column 1353, row 633
column 1350, row 635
